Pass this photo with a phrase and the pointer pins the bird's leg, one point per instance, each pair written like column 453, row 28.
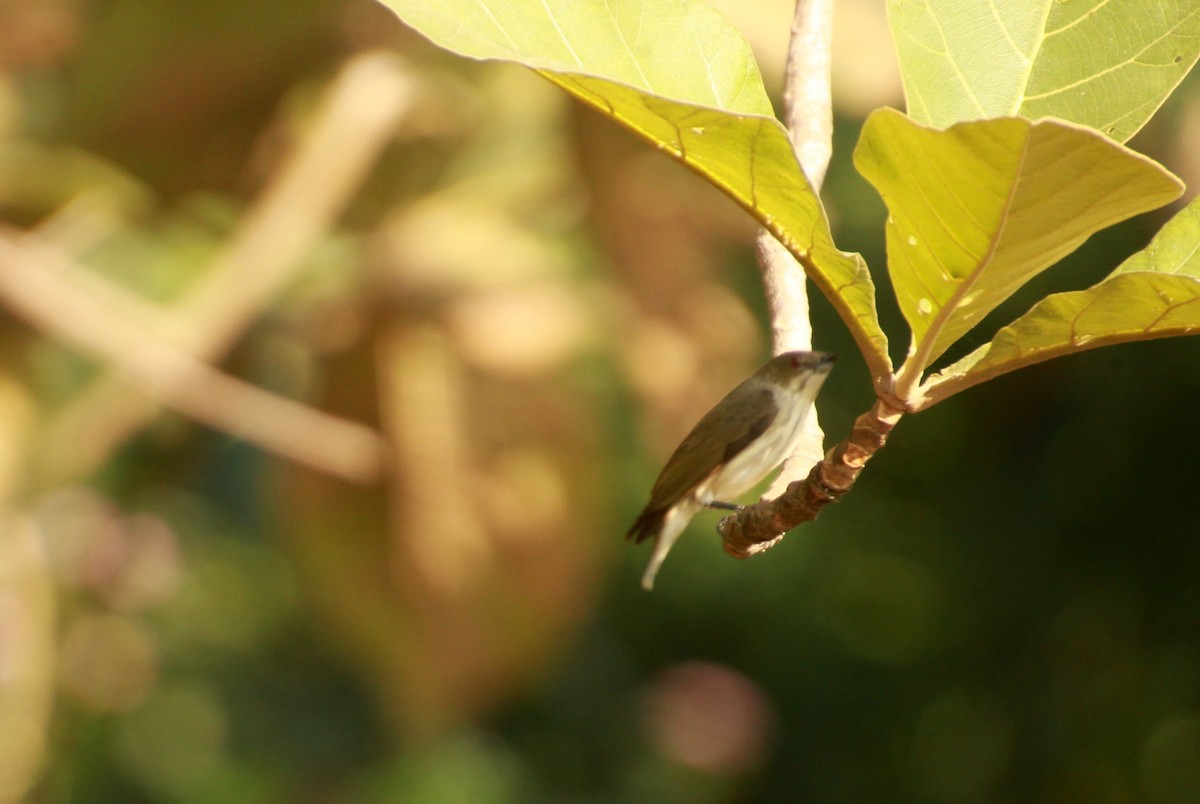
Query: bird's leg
column 724, row 506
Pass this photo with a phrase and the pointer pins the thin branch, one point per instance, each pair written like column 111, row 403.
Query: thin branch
column 807, row 97
column 808, row 114
column 794, row 499
column 34, row 286
column 759, row 527
column 355, row 122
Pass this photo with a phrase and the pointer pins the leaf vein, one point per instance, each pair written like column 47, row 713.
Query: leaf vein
column 495, row 21
column 631, row 49
column 1132, row 60
column 562, row 34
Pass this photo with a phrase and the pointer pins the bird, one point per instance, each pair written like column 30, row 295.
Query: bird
column 734, row 446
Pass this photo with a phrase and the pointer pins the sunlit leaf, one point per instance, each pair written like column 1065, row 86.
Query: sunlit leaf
column 981, row 208
column 1174, row 250
column 1107, row 64
column 1153, row 294
column 965, row 60
column 676, row 74
column 681, row 50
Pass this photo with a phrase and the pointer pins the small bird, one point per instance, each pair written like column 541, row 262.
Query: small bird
column 737, row 443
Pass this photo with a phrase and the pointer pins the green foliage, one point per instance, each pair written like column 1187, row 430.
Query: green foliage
column 680, row 77
column 684, row 51
column 977, row 209
column 1153, row 294
column 1107, row 65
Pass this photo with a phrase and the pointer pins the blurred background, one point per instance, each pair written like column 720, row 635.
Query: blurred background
column 458, row 323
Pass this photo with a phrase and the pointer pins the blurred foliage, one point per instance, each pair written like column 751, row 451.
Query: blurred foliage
column 533, row 308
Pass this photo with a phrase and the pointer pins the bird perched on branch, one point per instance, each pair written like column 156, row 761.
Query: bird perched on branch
column 737, row 443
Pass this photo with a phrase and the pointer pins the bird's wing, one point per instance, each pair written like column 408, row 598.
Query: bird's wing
column 742, row 416
column 648, row 524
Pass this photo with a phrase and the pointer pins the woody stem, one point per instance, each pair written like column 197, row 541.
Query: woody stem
column 760, row 526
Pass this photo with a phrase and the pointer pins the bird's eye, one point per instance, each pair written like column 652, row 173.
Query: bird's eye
column 795, row 362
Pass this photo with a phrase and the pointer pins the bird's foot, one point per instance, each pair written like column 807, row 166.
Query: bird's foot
column 724, row 506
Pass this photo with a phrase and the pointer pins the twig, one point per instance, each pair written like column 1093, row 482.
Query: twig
column 807, row 96
column 355, row 122
column 793, row 500
column 33, row 286
column 808, row 115
column 759, row 527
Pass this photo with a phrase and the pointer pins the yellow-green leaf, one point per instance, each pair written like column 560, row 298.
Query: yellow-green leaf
column 964, row 60
column 1107, row 64
column 1153, row 294
column 676, row 74
column 683, row 49
column 981, row 208
column 1174, row 250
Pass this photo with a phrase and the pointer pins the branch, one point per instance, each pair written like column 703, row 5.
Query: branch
column 34, row 286
column 808, row 115
column 807, row 99
column 798, row 499
column 352, row 126
column 759, row 527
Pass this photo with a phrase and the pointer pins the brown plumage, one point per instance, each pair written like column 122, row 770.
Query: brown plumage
column 742, row 416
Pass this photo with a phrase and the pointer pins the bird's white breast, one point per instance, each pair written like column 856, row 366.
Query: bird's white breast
column 762, row 455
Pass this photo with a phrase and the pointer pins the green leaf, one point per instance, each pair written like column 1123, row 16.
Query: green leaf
column 681, row 50
column 679, row 76
column 965, row 60
column 1153, row 294
column 983, row 207
column 1174, row 250
column 751, row 160
column 1107, row 64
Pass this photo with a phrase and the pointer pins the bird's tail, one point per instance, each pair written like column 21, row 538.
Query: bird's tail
column 672, row 524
